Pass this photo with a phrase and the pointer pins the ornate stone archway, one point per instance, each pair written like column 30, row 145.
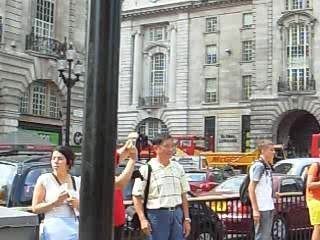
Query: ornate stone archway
column 295, row 130
column 152, row 127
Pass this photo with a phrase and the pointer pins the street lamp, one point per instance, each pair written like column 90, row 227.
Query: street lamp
column 73, row 73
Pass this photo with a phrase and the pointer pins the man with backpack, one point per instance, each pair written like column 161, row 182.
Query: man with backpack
column 260, row 191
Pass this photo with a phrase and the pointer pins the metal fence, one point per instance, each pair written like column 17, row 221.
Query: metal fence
column 46, row 46
column 221, row 218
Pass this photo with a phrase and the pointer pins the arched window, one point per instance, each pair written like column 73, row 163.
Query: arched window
column 158, row 77
column 152, row 127
column 42, row 98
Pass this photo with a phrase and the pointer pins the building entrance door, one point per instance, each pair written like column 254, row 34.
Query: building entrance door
column 295, row 130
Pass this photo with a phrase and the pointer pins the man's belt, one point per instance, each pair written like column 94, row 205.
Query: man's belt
column 171, row 209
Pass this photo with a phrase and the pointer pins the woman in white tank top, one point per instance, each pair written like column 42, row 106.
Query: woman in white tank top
column 56, row 195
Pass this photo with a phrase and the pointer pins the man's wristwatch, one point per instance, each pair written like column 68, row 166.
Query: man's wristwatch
column 187, row 219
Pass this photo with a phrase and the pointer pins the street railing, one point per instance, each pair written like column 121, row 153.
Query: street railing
column 285, row 86
column 224, row 217
column 153, row 101
column 217, row 218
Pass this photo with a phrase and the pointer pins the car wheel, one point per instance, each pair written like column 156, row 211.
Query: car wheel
column 205, row 236
column 279, row 228
column 214, row 234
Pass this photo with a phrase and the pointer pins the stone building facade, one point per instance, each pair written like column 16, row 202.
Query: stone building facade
column 33, row 35
column 235, row 70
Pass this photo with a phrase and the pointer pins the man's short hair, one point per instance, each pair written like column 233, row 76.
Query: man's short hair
column 158, row 140
column 264, row 143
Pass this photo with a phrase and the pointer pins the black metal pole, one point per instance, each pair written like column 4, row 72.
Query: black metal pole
column 69, row 85
column 96, row 203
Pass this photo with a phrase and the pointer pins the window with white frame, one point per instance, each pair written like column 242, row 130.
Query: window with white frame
column 158, row 76
column 211, row 24
column 39, row 99
column 158, row 33
column 247, row 20
column 211, row 54
column 298, row 57
column 298, row 41
column 42, row 98
column 299, row 79
column 152, row 127
column 247, row 51
column 1, row 28
column 297, row 4
column 210, row 90
column 24, row 103
column 44, row 18
column 246, row 87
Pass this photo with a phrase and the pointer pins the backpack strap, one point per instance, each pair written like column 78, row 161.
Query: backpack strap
column 265, row 165
column 147, row 188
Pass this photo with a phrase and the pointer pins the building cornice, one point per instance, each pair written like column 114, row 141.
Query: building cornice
column 17, row 55
column 172, row 8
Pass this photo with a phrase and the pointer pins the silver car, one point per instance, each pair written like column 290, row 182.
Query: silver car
column 294, row 166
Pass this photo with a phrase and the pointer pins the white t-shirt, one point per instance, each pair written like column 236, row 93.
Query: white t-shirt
column 53, row 189
column 263, row 177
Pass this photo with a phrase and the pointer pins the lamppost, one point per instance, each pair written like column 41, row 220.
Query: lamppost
column 73, row 73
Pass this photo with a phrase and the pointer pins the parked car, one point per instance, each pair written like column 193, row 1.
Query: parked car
column 19, row 174
column 201, row 181
column 291, row 211
column 230, row 185
column 224, row 172
column 205, row 223
column 294, row 166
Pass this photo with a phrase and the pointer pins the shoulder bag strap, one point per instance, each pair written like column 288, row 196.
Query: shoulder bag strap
column 72, row 180
column 74, row 186
column 55, row 177
column 73, row 183
column 146, row 190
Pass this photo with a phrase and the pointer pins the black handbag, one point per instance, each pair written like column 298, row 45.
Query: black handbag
column 135, row 222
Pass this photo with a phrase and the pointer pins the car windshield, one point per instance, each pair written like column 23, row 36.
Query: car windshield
column 6, row 177
column 196, row 177
column 230, row 185
column 284, row 168
column 219, row 175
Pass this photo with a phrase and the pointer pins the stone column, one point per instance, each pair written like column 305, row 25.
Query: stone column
column 172, row 64
column 137, row 67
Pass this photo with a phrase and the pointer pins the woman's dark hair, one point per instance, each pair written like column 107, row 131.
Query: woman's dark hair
column 67, row 152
